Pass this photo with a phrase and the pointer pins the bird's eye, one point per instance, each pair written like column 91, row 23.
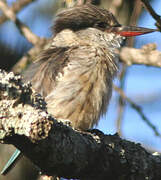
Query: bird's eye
column 102, row 25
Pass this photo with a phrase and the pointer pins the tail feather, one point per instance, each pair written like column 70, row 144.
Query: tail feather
column 12, row 162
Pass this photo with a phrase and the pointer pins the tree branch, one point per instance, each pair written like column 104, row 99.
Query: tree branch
column 153, row 13
column 147, row 55
column 123, row 72
column 24, row 30
column 57, row 149
column 16, row 7
column 138, row 109
column 30, row 56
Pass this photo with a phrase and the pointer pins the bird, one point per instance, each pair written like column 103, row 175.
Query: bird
column 75, row 73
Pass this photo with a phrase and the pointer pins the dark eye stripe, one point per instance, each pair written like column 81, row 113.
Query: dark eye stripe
column 102, row 24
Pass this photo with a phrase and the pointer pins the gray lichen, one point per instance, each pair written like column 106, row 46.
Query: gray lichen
column 22, row 110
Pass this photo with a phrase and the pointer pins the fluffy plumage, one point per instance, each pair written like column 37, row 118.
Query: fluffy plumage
column 75, row 73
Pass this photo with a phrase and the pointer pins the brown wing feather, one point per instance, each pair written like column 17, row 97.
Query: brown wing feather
column 43, row 72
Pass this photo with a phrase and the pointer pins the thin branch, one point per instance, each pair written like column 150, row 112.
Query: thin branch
column 16, row 7
column 138, row 109
column 24, row 30
column 133, row 20
column 30, row 56
column 121, row 103
column 147, row 55
column 152, row 12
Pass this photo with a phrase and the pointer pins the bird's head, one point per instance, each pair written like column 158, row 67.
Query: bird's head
column 85, row 16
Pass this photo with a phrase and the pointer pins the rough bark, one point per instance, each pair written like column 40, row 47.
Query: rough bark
column 56, row 148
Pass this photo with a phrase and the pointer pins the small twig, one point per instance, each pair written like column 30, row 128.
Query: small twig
column 152, row 12
column 138, row 109
column 24, row 30
column 30, row 56
column 133, row 20
column 121, row 103
column 16, row 7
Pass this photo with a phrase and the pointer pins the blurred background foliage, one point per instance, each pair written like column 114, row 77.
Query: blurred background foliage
column 142, row 84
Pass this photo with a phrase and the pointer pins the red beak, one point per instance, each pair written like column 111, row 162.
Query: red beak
column 128, row 31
